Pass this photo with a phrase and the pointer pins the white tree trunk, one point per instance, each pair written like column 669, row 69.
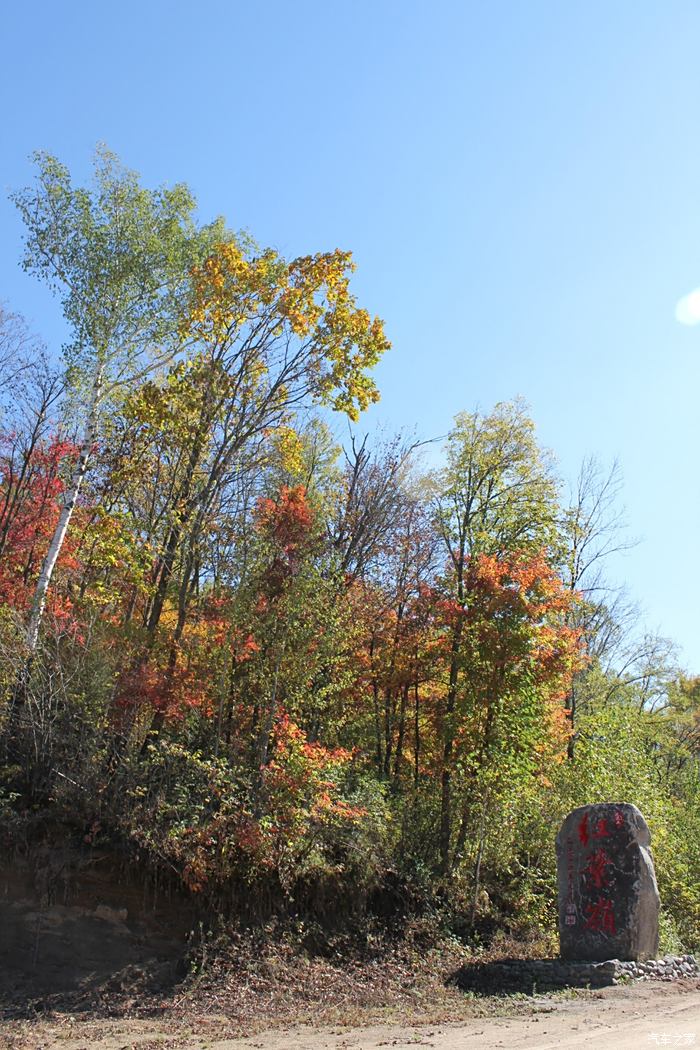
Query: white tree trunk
column 69, row 502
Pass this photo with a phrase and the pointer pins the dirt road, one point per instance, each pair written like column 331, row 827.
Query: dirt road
column 630, row 1018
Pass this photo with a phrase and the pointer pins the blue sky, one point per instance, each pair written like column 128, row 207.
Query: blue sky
column 519, row 183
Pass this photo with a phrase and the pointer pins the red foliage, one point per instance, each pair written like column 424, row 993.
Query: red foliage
column 516, row 609
column 287, row 521
column 31, row 488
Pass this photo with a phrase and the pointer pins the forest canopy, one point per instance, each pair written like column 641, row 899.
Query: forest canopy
column 271, row 662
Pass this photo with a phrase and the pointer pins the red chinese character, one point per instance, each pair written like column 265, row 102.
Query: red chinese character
column 583, row 830
column 619, row 818
column 601, row 829
column 601, row 917
column 595, row 869
column 570, row 916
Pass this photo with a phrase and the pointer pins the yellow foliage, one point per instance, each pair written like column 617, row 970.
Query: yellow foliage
column 290, row 449
column 264, row 301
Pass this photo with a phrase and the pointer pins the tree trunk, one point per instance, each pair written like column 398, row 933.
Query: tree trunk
column 479, row 858
column 389, row 706
column 70, row 500
column 416, row 735
column 448, row 733
column 263, row 745
column 184, row 593
column 398, row 758
column 571, row 742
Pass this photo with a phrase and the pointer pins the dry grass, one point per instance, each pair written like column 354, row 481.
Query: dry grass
column 258, row 983
column 244, row 984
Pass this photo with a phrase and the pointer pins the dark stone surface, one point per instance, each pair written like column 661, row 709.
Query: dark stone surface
column 608, row 899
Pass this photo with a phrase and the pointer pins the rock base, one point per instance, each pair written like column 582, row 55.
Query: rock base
column 532, row 976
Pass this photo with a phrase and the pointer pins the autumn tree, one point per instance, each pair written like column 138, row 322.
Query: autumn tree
column 30, row 396
column 593, row 530
column 517, row 658
column 496, row 495
column 118, row 256
column 269, row 336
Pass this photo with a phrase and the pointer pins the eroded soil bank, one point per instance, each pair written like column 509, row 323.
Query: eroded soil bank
column 77, row 923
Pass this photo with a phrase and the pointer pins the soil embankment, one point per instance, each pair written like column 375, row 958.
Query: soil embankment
column 78, row 924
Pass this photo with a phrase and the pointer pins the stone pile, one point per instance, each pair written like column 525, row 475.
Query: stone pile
column 670, row 968
column 533, row 976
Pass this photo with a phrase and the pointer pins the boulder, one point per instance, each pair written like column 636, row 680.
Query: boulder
column 608, row 898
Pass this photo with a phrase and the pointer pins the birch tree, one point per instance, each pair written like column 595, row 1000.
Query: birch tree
column 118, row 256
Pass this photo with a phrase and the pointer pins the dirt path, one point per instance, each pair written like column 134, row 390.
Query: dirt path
column 631, row 1018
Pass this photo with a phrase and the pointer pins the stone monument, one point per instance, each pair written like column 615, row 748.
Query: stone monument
column 608, row 899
